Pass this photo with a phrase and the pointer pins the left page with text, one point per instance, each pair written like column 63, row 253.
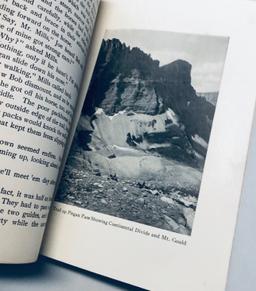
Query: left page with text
column 43, row 48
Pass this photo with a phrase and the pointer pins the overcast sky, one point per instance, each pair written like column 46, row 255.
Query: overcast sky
column 205, row 53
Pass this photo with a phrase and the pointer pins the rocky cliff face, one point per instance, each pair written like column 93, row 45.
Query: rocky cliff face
column 128, row 80
column 118, row 66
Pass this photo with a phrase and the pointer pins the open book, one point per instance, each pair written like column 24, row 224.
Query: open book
column 137, row 124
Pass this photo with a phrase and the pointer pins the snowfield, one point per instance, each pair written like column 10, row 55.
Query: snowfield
column 113, row 130
column 134, row 182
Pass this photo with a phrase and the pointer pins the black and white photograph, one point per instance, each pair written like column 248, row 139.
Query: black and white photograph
column 141, row 143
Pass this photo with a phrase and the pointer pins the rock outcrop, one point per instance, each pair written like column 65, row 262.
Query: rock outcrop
column 128, row 80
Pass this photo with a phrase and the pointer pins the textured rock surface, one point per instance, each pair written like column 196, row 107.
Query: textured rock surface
column 128, row 79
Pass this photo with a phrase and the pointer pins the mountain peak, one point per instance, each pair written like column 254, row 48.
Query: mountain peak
column 177, row 70
column 177, row 63
column 128, row 79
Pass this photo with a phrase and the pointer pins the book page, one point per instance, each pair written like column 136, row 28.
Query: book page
column 150, row 191
column 43, row 49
